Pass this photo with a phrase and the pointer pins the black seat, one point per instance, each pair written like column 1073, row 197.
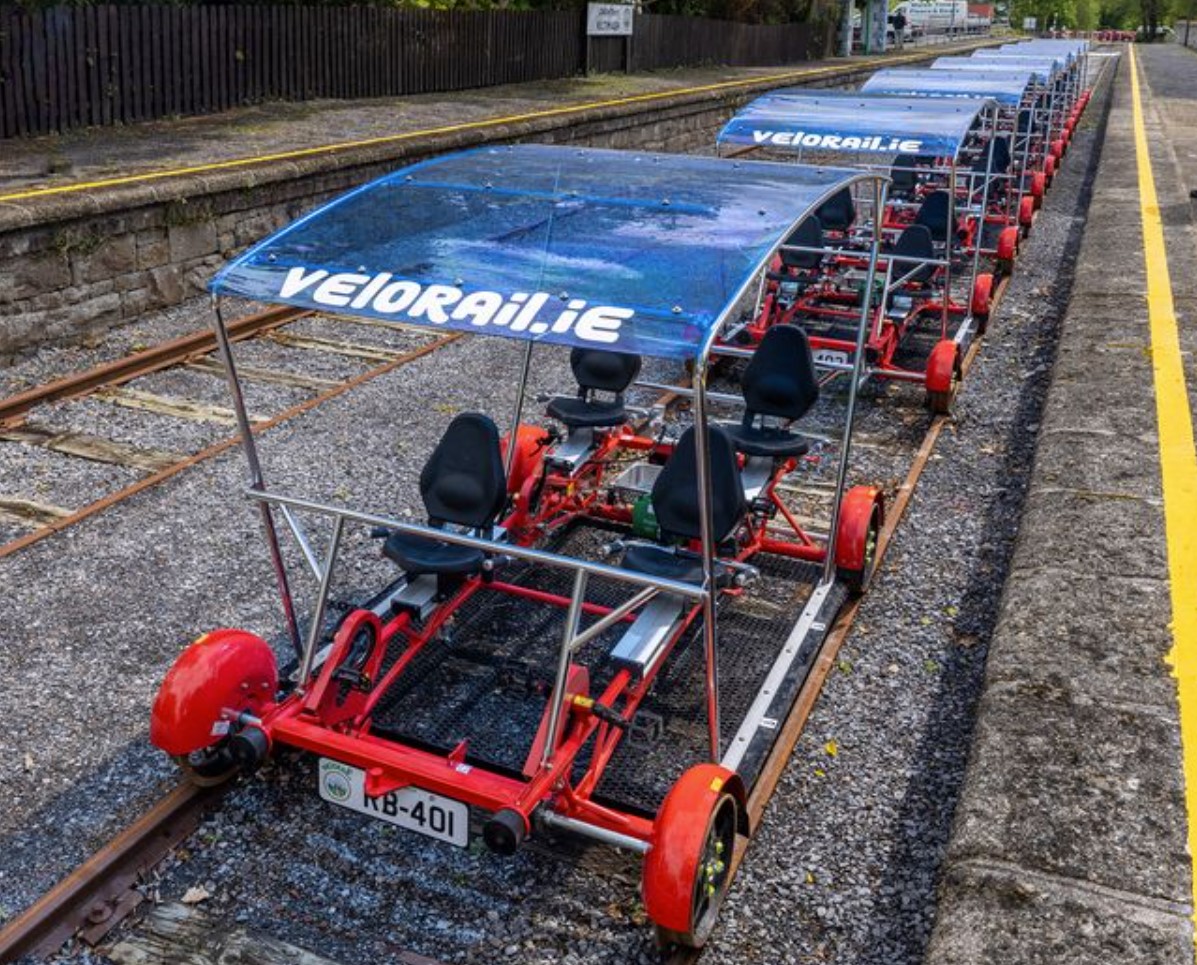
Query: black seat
column 462, row 483
column 913, row 245
column 904, row 174
column 1001, row 157
column 780, row 382
column 808, row 234
column 837, row 213
column 675, row 502
column 596, row 370
column 933, row 215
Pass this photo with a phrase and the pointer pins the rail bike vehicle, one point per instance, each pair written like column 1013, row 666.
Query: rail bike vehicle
column 592, row 581
column 951, row 204
column 1019, row 119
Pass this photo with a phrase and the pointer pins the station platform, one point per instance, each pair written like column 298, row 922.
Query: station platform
column 99, row 158
column 1073, row 836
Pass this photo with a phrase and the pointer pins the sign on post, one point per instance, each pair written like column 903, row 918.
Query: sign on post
column 609, row 19
column 1030, row 23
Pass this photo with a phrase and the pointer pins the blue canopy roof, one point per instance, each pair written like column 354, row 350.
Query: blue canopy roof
column 1070, row 48
column 1044, row 60
column 634, row 252
column 1005, row 87
column 798, row 120
column 1040, row 71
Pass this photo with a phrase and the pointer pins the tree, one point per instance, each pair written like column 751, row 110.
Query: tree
column 1062, row 13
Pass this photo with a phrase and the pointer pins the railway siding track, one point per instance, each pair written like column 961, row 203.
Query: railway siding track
column 30, row 517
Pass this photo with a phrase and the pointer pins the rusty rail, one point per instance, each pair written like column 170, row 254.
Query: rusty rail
column 100, row 892
column 15, row 407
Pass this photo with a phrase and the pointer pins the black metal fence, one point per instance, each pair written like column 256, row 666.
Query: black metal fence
column 70, row 67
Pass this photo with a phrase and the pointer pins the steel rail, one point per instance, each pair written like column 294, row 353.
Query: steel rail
column 119, row 371
column 100, row 892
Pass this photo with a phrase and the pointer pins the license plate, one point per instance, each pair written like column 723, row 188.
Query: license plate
column 412, row 808
column 825, row 356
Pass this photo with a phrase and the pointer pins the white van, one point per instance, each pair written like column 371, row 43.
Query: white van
column 933, row 16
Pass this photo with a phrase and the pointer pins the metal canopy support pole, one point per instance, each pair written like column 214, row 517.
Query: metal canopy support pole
column 1025, row 158
column 699, row 385
column 572, row 617
column 984, row 208
column 309, row 653
column 880, row 192
column 256, row 479
column 949, row 237
column 845, row 44
column 513, row 438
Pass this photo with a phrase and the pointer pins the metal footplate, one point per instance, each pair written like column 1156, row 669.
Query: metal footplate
column 640, row 646
column 572, row 452
column 777, row 694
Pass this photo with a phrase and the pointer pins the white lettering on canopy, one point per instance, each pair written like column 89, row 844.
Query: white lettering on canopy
column 439, row 304
column 839, row 142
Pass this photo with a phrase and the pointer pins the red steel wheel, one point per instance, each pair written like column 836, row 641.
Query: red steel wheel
column 1049, row 169
column 1007, row 249
column 222, row 671
column 1038, row 188
column 687, row 870
column 1057, row 149
column 1026, row 214
column 943, row 376
column 982, row 301
column 861, row 515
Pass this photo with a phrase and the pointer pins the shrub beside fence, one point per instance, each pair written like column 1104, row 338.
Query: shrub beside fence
column 69, row 67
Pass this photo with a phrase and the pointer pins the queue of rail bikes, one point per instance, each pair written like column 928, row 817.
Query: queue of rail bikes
column 651, row 575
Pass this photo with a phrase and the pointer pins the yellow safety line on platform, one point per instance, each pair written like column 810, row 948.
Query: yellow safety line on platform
column 447, row 129
column 1178, row 464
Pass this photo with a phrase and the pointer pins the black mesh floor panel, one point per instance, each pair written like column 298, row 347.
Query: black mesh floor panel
column 752, row 630
column 487, row 679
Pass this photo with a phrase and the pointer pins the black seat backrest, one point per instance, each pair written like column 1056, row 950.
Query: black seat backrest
column 1001, row 157
column 933, row 215
column 598, row 369
column 780, row 380
column 463, row 481
column 1024, row 120
column 838, row 212
column 675, row 493
column 903, row 172
column 808, row 234
column 916, row 244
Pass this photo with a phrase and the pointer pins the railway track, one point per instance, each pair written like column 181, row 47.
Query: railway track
column 103, row 890
column 115, row 384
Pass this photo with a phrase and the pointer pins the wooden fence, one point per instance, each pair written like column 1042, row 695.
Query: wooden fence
column 68, row 67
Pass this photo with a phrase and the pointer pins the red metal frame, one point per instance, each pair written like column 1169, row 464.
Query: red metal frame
column 299, row 720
